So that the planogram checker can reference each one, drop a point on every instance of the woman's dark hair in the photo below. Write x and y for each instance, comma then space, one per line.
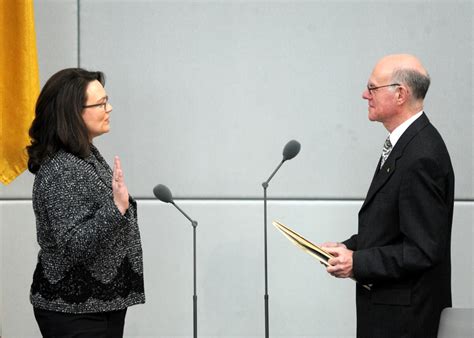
58, 122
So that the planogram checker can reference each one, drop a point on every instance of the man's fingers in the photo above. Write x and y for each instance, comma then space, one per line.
333, 270
329, 244
332, 250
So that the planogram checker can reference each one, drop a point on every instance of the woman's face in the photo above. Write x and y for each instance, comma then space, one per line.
96, 113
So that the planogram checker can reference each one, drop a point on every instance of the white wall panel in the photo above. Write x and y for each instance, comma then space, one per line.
206, 93
230, 278
18, 250
462, 255
56, 35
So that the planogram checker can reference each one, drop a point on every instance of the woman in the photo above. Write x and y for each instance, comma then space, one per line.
90, 260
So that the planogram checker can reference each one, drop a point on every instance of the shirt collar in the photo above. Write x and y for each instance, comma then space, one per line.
398, 132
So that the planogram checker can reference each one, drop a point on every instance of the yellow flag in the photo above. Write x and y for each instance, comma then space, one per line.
19, 84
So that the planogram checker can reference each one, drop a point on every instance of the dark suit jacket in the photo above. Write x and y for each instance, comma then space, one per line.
402, 246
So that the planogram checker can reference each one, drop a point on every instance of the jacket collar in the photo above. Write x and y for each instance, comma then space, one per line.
100, 165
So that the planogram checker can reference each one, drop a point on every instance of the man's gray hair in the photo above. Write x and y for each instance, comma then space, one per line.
418, 82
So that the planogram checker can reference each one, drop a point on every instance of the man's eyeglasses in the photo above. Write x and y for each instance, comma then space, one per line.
103, 104
372, 89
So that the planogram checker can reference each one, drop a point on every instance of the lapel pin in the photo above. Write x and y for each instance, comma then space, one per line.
388, 170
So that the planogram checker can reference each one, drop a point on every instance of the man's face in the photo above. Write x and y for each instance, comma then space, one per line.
381, 99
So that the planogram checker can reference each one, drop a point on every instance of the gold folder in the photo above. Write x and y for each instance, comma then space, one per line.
310, 248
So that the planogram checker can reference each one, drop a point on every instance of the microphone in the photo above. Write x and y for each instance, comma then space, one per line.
291, 149
163, 193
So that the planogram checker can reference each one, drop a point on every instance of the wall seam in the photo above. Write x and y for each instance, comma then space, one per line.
78, 33
210, 199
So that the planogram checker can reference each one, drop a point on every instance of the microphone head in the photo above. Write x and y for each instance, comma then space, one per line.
291, 149
163, 193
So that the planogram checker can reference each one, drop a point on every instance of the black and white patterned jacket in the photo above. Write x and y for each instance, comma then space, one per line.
90, 257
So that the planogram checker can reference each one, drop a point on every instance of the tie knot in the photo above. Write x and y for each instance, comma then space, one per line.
387, 145
387, 148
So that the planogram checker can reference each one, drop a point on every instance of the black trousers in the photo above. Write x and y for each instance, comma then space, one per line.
84, 325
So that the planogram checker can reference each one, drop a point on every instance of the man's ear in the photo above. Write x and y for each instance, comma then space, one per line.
402, 94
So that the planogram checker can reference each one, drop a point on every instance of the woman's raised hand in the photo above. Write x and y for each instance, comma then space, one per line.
119, 188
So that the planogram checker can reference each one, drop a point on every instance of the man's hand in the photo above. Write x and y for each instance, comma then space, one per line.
332, 245
341, 265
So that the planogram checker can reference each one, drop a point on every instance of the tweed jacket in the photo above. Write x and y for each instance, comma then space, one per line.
90, 257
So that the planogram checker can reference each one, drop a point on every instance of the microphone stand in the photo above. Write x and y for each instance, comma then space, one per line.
265, 186
194, 224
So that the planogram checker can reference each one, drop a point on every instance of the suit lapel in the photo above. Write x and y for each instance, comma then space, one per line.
381, 176
377, 168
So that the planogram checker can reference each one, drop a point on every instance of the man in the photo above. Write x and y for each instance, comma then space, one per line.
402, 248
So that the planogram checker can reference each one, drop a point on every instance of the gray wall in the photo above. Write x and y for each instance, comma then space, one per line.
205, 96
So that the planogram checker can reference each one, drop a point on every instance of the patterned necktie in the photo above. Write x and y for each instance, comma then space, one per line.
387, 148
